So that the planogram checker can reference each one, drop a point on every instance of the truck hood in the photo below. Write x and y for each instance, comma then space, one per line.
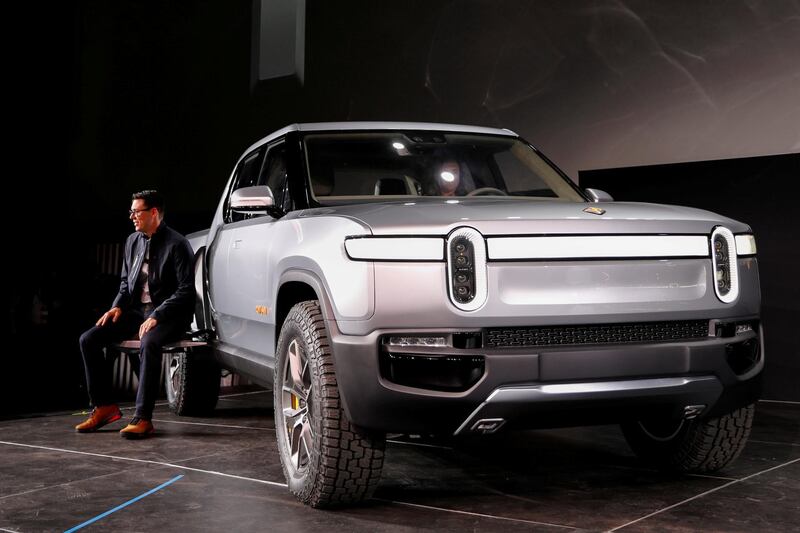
521, 216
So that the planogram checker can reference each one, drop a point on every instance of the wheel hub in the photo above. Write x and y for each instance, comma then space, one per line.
295, 408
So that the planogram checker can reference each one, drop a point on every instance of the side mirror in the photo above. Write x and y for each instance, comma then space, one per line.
596, 195
257, 200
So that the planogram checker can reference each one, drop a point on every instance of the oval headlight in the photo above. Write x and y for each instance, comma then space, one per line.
724, 261
466, 269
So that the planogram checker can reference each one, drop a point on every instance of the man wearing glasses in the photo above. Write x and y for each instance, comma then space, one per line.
155, 302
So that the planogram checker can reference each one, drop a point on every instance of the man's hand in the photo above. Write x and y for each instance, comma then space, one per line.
112, 315
146, 326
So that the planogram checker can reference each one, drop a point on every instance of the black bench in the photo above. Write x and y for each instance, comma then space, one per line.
192, 379
135, 345
192, 339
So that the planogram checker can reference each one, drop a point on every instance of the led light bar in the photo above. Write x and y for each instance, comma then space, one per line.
395, 248
410, 340
745, 245
598, 247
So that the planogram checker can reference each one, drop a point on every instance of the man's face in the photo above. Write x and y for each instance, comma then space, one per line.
144, 219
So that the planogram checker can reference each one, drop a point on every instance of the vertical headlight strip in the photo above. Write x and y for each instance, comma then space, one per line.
466, 269
726, 270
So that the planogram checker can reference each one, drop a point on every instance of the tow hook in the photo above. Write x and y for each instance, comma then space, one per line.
692, 411
488, 425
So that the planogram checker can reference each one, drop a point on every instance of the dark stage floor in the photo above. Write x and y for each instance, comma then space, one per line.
223, 474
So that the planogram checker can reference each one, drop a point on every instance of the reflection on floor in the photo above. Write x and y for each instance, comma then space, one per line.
52, 479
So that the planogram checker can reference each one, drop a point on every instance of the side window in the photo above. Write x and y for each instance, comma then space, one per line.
274, 175
246, 176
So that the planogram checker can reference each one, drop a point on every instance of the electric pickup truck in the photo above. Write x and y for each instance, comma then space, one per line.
437, 279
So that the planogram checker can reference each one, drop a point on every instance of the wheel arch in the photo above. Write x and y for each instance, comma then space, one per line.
297, 286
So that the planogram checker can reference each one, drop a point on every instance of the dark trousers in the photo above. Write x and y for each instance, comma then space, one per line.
99, 368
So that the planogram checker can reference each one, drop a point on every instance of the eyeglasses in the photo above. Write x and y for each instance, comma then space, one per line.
135, 212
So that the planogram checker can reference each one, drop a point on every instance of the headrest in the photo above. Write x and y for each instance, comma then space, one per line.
390, 186
322, 183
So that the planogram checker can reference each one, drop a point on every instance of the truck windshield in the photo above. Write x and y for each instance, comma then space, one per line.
357, 165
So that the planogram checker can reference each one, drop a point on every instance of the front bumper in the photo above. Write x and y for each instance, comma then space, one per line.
548, 386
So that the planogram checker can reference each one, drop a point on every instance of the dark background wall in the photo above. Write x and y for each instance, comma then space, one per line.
163, 91
112, 97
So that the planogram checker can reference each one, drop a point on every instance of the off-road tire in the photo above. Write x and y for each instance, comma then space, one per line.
192, 383
336, 463
692, 446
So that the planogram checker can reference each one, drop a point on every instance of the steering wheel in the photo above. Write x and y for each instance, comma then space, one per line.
486, 191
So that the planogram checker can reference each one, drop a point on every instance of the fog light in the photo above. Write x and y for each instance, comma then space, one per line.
417, 341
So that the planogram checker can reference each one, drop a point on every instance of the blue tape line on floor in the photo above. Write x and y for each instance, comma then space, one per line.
117, 508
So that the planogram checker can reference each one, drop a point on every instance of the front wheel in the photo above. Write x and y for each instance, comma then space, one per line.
694, 446
326, 460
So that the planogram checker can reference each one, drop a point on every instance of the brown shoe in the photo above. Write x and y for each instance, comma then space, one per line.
137, 429
102, 415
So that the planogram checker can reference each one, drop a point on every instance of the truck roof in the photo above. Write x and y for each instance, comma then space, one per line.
380, 125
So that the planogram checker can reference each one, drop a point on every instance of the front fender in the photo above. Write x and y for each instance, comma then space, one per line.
316, 245
314, 281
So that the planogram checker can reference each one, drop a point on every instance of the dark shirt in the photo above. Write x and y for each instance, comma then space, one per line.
170, 275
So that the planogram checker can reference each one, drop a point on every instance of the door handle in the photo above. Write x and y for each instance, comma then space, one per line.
237, 244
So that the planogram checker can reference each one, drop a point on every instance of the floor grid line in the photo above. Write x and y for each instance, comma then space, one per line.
702, 494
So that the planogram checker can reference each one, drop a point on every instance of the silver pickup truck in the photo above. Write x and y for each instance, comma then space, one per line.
450, 280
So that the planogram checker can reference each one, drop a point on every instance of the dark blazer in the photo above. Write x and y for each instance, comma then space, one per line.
170, 275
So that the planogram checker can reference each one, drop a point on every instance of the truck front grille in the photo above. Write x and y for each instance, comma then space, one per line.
678, 330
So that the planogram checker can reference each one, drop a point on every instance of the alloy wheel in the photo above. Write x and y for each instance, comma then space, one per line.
296, 406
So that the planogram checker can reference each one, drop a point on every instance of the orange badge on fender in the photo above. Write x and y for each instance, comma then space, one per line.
594, 210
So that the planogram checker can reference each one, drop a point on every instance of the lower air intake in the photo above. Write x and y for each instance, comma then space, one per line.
441, 373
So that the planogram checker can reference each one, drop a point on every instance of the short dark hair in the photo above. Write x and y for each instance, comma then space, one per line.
152, 199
